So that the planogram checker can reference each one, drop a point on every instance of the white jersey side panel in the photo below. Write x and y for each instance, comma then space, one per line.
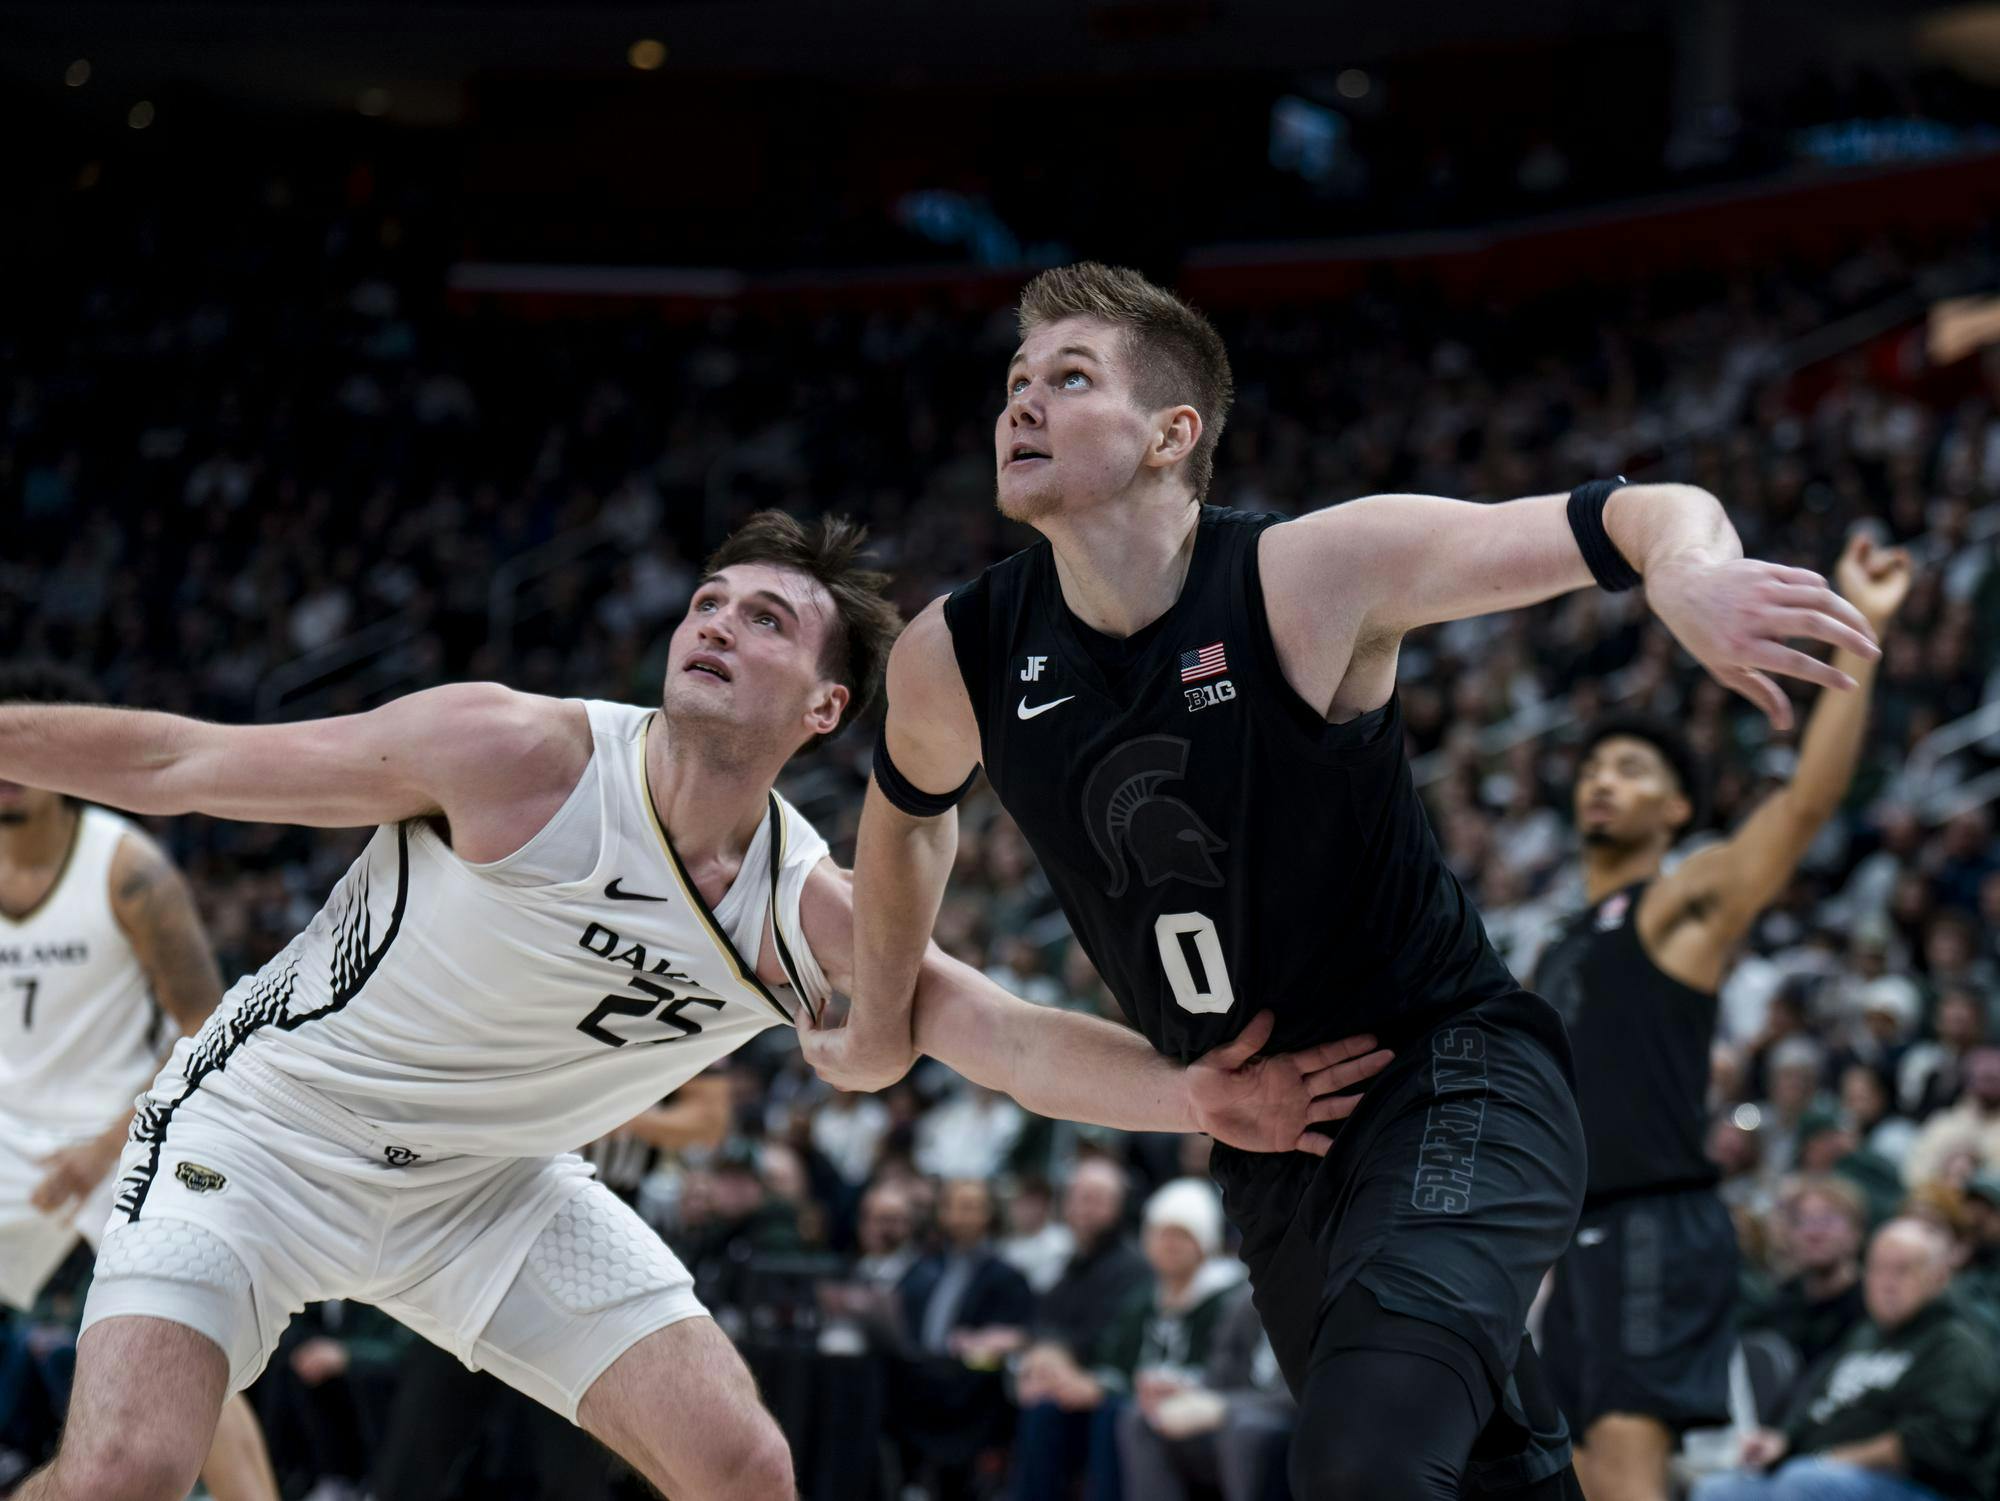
79, 1034
454, 1012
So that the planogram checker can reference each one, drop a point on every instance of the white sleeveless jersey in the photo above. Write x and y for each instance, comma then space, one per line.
457, 1011
80, 1036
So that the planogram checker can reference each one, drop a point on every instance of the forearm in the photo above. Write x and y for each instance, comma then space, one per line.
1884, 1452
120, 757
1653, 525
1061, 1064
901, 865
1830, 748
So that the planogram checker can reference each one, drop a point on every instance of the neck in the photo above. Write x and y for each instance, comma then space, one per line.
1613, 867
1122, 564
1174, 1292
40, 843
709, 804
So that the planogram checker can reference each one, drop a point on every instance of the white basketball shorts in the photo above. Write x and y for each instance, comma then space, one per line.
258, 1196
33, 1244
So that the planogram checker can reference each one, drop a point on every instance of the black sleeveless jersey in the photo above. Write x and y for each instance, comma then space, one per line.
1641, 1041
1218, 847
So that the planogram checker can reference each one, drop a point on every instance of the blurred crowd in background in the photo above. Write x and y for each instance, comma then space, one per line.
213, 477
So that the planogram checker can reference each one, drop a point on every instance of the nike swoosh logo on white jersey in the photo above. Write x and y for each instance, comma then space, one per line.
1027, 713
617, 895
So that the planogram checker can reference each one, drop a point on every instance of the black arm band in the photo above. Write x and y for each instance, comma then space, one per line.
906, 794
1586, 520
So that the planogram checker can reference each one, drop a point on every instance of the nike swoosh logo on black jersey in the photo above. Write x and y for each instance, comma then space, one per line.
616, 895
1025, 712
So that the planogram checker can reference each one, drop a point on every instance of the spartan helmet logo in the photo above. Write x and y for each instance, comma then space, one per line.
1122, 809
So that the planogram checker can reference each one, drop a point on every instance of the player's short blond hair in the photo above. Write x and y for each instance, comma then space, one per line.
1178, 358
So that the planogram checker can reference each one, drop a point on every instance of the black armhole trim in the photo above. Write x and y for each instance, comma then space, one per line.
968, 615
785, 960
263, 1007
1362, 736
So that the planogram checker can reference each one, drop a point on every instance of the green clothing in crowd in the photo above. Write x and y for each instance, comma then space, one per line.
1934, 1382
1145, 1336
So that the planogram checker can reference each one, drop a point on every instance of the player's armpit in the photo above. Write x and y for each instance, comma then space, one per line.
155, 910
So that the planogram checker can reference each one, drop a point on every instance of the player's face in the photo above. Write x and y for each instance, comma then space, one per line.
1626, 793
20, 806
748, 655
1072, 433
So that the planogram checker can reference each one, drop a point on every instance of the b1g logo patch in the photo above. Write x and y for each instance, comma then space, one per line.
1208, 695
198, 1179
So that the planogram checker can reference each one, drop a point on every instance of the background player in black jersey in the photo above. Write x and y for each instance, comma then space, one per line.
1190, 712
1639, 1327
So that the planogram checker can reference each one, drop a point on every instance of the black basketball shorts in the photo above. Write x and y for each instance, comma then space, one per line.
1641, 1319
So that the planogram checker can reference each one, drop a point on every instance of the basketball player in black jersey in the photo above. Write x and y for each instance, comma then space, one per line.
1640, 1324
1190, 712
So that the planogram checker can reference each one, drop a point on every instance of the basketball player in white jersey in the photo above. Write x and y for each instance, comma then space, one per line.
102, 958
567, 908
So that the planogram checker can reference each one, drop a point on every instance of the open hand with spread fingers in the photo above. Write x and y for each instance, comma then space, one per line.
1736, 618
1270, 1104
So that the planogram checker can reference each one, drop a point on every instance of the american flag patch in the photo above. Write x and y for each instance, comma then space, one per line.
1209, 662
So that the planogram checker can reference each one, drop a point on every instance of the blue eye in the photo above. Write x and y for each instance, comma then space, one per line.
1074, 375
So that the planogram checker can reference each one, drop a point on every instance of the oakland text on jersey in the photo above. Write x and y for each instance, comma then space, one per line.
13, 955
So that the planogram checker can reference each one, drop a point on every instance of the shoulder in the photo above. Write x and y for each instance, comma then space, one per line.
927, 691
142, 876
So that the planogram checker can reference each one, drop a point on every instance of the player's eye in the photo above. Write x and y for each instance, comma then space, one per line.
1017, 385
1075, 380
768, 619
704, 604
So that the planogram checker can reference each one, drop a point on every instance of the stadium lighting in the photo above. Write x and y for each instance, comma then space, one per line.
141, 115
77, 74
1352, 84
646, 54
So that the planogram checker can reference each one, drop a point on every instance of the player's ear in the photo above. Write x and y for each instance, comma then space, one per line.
823, 713
1680, 813
1176, 431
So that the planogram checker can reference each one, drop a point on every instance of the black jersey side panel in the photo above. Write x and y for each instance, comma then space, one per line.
1641, 1041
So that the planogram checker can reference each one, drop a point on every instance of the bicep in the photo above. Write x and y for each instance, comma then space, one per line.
930, 727
1415, 560
155, 909
1751, 869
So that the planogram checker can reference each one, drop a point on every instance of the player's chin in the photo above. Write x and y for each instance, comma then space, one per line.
1027, 496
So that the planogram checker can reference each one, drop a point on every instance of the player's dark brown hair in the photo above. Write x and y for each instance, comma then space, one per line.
829, 549
1178, 358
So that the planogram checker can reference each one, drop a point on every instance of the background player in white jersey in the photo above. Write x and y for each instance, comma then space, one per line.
567, 909
102, 960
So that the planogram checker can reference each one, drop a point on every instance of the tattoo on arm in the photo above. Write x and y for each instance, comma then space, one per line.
156, 910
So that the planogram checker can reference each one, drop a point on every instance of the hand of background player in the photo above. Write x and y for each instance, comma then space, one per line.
1736, 617
68, 1176
1269, 1104
1762, 1448
1876, 580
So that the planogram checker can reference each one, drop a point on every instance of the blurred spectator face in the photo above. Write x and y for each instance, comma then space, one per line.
1820, 1232
736, 1192
1172, 1253
965, 1212
1627, 794
1732, 1149
1960, 1020
1864, 1098
785, 1174
747, 659
1725, 1072
1982, 1218
1989, 902
885, 1223
1821, 1152
1982, 1077
1028, 1210
1079, 411
1793, 1083
1094, 1201
1948, 944
1909, 1263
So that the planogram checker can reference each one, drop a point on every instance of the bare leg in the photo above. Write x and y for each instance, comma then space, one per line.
681, 1408
1628, 1457
238, 1467
141, 1414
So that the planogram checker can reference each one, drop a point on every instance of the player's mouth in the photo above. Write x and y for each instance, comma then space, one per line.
703, 662
1025, 453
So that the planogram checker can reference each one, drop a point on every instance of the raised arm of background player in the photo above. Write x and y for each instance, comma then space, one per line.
496, 765
1341, 588
1691, 919
156, 912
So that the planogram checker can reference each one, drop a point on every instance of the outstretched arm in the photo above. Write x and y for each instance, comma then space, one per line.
1403, 561
1070, 1066
1728, 884
496, 764
902, 861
